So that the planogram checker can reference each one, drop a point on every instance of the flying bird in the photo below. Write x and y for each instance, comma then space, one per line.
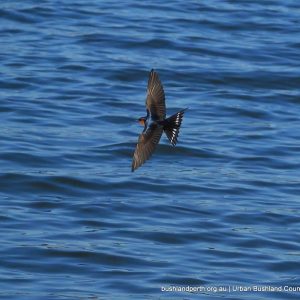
155, 122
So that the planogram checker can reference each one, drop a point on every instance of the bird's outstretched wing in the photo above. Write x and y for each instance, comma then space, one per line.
155, 101
146, 145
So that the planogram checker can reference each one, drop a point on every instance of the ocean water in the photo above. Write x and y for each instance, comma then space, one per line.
221, 209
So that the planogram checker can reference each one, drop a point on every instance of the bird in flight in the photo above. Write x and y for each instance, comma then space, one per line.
155, 122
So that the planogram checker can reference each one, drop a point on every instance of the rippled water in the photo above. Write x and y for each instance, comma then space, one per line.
220, 209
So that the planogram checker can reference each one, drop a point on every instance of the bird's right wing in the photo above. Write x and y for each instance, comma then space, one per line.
146, 145
155, 101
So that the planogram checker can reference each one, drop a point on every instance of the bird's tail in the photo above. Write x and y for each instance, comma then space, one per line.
172, 126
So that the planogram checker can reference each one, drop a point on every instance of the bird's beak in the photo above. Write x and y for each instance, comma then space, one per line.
141, 122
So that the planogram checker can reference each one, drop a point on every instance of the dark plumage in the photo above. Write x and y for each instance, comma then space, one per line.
155, 122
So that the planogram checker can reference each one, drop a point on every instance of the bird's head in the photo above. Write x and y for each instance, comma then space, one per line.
142, 121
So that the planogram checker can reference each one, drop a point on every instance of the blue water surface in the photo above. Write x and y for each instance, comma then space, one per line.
219, 209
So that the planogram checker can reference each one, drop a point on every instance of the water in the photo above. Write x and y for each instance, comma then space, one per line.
220, 209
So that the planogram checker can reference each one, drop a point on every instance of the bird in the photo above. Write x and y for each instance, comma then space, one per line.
155, 122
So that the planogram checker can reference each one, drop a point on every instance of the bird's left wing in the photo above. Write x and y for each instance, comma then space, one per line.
146, 145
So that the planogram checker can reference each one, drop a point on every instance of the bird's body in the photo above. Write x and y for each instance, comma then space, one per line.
155, 122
